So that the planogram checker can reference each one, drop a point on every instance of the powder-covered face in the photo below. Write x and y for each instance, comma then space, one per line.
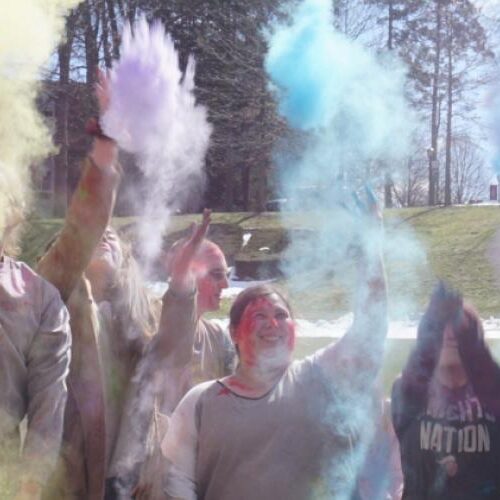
266, 332
105, 263
449, 350
109, 250
211, 271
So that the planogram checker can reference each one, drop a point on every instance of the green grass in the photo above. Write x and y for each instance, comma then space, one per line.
453, 241
396, 354
456, 241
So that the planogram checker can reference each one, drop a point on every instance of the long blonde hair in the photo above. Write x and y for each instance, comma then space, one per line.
131, 302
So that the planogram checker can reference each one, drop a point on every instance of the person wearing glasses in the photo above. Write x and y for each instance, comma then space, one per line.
279, 428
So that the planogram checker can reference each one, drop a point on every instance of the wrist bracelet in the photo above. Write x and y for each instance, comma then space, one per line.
93, 128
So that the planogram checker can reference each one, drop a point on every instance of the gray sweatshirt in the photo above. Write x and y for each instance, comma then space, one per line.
304, 439
34, 359
292, 443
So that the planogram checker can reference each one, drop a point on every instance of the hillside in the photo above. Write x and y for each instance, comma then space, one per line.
451, 243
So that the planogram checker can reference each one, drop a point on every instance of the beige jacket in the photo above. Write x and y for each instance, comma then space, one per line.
186, 351
81, 469
34, 362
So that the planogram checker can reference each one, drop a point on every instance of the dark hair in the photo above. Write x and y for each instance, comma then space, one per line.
250, 294
482, 371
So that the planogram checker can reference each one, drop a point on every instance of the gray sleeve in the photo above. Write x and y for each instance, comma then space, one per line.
48, 363
356, 358
179, 447
157, 380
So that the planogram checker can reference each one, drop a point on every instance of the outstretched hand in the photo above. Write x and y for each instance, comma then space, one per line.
103, 91
182, 272
370, 208
104, 151
369, 222
445, 304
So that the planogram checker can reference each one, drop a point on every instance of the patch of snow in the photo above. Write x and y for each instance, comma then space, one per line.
400, 329
158, 288
246, 239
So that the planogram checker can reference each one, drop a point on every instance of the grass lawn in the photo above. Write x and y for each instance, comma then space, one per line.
452, 244
396, 354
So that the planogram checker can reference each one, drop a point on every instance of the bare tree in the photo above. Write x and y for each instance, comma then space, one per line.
466, 52
357, 20
410, 190
469, 176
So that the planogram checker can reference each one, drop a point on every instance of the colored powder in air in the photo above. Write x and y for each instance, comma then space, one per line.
351, 127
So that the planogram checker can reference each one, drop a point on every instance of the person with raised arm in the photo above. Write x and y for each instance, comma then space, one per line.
446, 406
277, 428
188, 349
111, 314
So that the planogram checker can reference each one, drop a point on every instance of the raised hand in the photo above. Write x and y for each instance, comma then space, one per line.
181, 267
104, 151
102, 91
370, 208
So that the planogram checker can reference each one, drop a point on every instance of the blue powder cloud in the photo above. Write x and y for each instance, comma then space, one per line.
348, 106
322, 78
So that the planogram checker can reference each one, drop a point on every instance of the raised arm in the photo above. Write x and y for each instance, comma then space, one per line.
179, 316
159, 374
89, 212
358, 355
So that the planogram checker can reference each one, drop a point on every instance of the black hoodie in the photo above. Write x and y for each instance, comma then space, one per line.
449, 438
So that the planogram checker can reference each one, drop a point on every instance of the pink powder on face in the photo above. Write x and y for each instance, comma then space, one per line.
209, 288
246, 328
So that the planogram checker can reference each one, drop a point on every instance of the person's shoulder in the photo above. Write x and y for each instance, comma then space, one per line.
397, 395
214, 327
304, 369
216, 330
14, 266
31, 279
396, 387
199, 389
194, 394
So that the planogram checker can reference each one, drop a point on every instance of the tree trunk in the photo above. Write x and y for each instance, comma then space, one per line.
61, 130
245, 185
131, 10
115, 36
388, 180
91, 51
229, 180
336, 14
105, 36
449, 115
435, 109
